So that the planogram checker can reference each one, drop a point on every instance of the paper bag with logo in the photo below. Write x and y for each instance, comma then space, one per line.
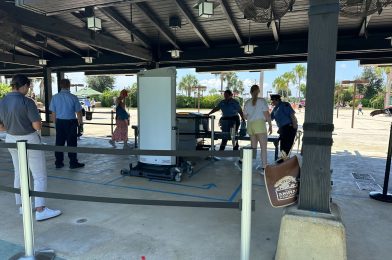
281, 181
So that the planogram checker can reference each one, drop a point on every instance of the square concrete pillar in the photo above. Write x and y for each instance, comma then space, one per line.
311, 235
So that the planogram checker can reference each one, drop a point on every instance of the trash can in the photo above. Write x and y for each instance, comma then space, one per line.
89, 115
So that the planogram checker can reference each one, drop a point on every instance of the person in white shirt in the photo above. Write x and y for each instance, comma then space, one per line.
257, 114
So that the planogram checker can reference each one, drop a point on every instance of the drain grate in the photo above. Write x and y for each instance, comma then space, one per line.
362, 176
368, 185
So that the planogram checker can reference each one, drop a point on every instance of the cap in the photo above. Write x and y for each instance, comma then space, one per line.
275, 96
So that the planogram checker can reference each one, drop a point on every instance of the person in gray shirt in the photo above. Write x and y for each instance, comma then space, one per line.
19, 117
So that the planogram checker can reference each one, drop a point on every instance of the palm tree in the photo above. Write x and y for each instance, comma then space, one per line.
299, 73
280, 85
223, 77
187, 82
388, 73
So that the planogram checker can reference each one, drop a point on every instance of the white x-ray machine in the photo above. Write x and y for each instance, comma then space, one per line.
157, 125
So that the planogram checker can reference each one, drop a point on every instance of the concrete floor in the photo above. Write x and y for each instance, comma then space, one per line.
112, 231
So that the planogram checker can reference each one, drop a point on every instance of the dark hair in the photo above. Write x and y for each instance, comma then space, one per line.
228, 91
19, 81
65, 83
252, 89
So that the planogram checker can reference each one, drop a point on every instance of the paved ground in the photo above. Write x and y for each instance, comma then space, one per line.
108, 231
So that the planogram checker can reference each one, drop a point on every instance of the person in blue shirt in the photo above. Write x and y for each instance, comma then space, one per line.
230, 109
67, 114
87, 103
284, 116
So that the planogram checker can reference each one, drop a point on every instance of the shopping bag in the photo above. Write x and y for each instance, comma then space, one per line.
282, 182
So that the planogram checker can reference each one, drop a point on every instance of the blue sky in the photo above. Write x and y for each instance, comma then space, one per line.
345, 70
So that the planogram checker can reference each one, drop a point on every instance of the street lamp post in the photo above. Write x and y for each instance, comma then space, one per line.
197, 90
355, 82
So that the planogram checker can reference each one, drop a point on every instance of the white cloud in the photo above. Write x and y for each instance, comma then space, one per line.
211, 83
343, 66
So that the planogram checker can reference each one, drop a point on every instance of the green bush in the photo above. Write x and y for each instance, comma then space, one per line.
185, 102
366, 102
107, 98
133, 96
210, 101
4, 89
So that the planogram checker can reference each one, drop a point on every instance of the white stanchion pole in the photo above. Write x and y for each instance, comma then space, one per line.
246, 209
26, 200
212, 133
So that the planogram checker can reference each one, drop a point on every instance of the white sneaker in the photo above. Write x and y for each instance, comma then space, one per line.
112, 143
238, 164
260, 169
47, 213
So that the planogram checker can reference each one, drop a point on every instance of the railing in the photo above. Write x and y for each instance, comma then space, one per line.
246, 205
112, 117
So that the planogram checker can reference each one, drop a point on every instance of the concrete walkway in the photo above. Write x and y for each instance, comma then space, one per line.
111, 231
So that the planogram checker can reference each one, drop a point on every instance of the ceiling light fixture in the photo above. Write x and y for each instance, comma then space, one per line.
205, 8
174, 24
42, 62
175, 54
88, 59
249, 48
93, 23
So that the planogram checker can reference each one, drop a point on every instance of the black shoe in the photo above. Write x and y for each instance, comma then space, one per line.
59, 165
76, 165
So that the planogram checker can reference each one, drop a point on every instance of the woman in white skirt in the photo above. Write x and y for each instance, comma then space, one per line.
257, 114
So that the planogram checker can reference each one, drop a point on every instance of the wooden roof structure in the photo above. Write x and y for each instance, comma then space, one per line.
136, 35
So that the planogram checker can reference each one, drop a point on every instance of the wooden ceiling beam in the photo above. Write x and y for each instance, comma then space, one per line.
235, 67
111, 3
52, 26
196, 27
45, 47
127, 26
29, 49
229, 17
18, 60
72, 48
150, 15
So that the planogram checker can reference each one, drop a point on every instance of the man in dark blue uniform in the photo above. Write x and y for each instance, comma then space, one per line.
67, 113
230, 119
284, 115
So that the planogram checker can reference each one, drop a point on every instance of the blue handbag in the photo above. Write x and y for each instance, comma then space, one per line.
242, 129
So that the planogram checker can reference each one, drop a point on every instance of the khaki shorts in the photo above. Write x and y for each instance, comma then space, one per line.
256, 127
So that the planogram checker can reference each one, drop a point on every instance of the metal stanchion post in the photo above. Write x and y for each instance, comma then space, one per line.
111, 121
246, 208
213, 138
213, 133
384, 195
26, 201
28, 231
